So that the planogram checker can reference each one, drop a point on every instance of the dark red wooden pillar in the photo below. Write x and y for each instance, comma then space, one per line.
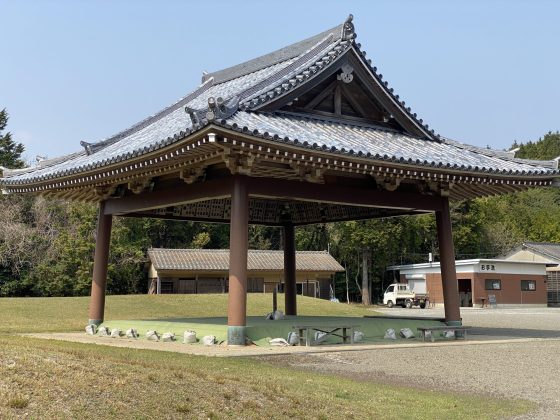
448, 270
100, 262
238, 245
290, 289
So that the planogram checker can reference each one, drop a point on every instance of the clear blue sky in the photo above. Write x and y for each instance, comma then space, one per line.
482, 72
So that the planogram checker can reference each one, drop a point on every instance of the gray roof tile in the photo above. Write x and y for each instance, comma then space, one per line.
547, 249
375, 142
270, 59
257, 260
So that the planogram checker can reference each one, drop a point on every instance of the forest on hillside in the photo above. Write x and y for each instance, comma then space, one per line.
47, 246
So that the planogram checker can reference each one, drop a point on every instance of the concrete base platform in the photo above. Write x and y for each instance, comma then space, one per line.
260, 331
238, 351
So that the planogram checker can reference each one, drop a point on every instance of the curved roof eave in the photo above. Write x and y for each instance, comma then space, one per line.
326, 48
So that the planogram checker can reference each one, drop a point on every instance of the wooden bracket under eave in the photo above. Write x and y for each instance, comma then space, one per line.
239, 163
103, 192
140, 185
309, 173
388, 183
441, 188
191, 175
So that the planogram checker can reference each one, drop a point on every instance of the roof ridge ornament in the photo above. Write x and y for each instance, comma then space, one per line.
348, 33
89, 147
218, 109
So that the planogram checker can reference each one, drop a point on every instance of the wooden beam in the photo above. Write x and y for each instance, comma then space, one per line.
171, 196
319, 98
337, 100
354, 196
355, 103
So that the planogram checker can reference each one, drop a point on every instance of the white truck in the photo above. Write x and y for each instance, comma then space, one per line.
400, 294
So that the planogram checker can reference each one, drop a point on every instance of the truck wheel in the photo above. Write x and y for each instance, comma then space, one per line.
408, 304
390, 304
422, 305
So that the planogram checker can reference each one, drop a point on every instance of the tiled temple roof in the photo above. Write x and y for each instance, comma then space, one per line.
374, 142
247, 87
257, 260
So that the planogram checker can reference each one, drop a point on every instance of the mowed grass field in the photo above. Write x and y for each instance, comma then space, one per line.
71, 313
53, 379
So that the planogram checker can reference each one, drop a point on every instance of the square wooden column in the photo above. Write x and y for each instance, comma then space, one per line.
447, 265
238, 245
290, 289
100, 262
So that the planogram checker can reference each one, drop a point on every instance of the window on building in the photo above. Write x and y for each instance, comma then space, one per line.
282, 288
255, 285
187, 285
528, 285
493, 284
210, 285
166, 287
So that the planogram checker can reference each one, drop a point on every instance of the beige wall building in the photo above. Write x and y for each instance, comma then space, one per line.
542, 252
206, 271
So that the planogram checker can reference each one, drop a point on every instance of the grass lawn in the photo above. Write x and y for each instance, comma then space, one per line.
52, 379
71, 313
48, 379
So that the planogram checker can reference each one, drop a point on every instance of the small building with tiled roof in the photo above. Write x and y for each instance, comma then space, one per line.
536, 251
206, 271
548, 253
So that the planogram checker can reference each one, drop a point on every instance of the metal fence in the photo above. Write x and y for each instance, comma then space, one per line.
553, 287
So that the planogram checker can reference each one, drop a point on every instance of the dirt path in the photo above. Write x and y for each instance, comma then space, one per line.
525, 369
513, 370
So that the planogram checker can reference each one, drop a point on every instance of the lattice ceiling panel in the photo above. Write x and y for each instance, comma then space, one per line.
272, 212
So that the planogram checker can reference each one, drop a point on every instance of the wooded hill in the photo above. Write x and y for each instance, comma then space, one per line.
46, 246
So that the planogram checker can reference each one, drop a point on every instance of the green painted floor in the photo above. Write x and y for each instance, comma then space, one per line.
260, 330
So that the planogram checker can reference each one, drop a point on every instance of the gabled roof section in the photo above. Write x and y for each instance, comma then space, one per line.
546, 249
346, 55
257, 260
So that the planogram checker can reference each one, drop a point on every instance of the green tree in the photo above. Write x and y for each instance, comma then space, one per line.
10, 151
546, 148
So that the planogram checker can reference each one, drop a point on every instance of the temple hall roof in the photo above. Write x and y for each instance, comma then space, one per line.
254, 98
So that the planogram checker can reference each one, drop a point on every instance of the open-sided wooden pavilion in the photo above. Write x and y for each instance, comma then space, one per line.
310, 133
